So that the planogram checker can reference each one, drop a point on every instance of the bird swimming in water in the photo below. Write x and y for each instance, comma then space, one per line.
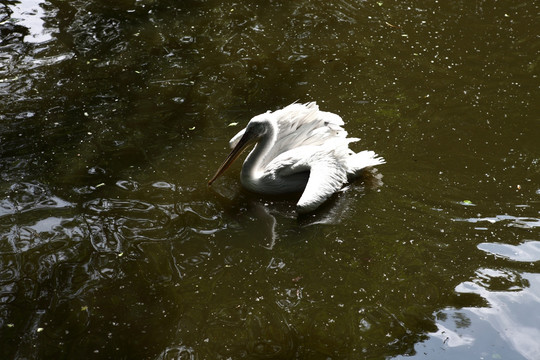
297, 148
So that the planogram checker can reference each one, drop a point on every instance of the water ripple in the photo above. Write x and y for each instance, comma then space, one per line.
30, 196
111, 222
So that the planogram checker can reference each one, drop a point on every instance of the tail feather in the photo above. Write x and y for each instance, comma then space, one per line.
357, 162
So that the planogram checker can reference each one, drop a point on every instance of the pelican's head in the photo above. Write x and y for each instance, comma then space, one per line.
256, 128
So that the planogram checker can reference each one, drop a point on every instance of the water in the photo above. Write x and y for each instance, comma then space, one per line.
114, 116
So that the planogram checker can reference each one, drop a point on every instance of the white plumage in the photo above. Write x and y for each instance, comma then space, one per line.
298, 148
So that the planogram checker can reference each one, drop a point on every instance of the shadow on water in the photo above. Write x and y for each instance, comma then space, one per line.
114, 115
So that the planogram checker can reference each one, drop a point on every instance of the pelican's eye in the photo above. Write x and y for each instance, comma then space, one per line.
257, 128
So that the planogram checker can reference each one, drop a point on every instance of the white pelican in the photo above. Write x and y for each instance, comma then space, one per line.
297, 148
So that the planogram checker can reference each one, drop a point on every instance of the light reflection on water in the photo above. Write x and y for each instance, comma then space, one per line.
30, 14
517, 221
529, 251
512, 313
509, 320
113, 116
511, 298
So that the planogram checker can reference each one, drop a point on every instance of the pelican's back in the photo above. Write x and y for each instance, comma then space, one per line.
304, 125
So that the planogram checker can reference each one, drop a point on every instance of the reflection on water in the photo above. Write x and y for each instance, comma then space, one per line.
31, 15
509, 320
528, 251
513, 315
113, 116
516, 221
510, 294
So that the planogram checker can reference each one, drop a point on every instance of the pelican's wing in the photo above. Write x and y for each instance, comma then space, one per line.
327, 172
326, 176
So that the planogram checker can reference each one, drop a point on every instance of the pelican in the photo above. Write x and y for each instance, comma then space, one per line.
297, 148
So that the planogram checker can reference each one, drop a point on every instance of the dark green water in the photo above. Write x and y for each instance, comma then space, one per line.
113, 116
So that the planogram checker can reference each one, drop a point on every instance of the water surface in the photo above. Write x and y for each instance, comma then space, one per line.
113, 116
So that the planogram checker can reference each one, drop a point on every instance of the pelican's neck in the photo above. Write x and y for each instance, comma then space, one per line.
259, 157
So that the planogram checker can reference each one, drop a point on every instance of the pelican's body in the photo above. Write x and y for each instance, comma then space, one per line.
298, 148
